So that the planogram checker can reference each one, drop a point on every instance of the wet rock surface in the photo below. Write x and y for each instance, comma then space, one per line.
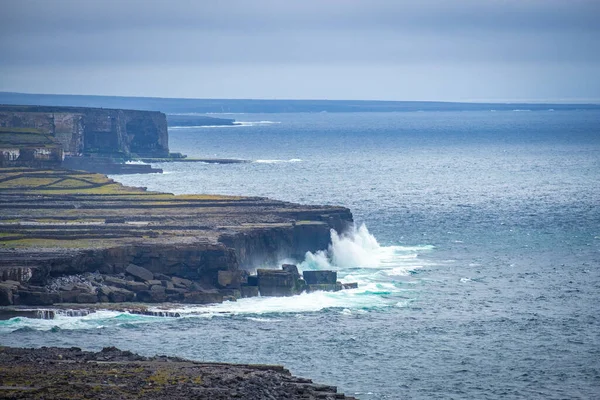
60, 373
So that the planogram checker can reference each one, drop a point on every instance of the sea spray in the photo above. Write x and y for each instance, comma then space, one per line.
358, 248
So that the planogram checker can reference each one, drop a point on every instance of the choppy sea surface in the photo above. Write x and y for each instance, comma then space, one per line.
476, 248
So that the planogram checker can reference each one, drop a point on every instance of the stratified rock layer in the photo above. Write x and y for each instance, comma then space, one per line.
57, 223
59, 373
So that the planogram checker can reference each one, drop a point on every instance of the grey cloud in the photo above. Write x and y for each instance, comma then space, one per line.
273, 15
493, 39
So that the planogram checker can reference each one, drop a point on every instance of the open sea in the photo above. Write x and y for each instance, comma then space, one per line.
476, 250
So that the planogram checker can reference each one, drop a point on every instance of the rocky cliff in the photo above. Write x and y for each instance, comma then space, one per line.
51, 133
56, 224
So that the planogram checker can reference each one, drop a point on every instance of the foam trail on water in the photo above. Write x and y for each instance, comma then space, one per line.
293, 160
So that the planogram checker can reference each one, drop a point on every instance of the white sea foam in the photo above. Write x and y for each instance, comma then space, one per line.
96, 320
292, 160
358, 248
381, 273
235, 124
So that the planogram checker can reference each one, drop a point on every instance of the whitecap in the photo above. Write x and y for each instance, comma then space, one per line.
275, 161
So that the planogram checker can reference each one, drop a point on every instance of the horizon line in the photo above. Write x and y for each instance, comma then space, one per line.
584, 101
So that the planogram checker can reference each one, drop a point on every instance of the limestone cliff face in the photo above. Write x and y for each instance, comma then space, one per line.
269, 246
77, 131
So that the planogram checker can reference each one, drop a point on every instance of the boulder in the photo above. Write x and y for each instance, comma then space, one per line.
205, 297
69, 296
136, 286
249, 291
116, 282
231, 293
119, 295
227, 279
167, 284
181, 282
144, 296
324, 287
87, 298
292, 269
105, 290
352, 285
161, 277
153, 282
139, 273
6, 295
252, 280
276, 282
158, 293
30, 298
320, 277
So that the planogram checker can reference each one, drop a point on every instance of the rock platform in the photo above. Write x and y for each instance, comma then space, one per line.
70, 373
78, 237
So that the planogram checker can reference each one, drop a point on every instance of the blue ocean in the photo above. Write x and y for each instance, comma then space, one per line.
476, 249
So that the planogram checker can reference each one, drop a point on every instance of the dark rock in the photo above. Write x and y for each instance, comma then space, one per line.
158, 293
116, 282
234, 293
62, 373
69, 296
114, 220
175, 291
103, 298
136, 286
228, 279
140, 273
121, 295
275, 282
144, 296
154, 282
161, 277
252, 280
67, 287
325, 287
105, 290
292, 269
352, 285
175, 297
29, 298
249, 291
320, 277
167, 284
6, 295
202, 297
87, 298
181, 282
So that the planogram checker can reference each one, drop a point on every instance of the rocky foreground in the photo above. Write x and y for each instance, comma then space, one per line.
60, 373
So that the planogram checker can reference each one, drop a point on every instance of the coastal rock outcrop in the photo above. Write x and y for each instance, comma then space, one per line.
60, 373
130, 244
80, 138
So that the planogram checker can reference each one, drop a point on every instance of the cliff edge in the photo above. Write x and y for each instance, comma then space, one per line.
58, 227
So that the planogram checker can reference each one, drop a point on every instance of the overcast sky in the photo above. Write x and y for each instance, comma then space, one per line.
455, 50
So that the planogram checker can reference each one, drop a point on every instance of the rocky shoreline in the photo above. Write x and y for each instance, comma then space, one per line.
77, 237
61, 373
